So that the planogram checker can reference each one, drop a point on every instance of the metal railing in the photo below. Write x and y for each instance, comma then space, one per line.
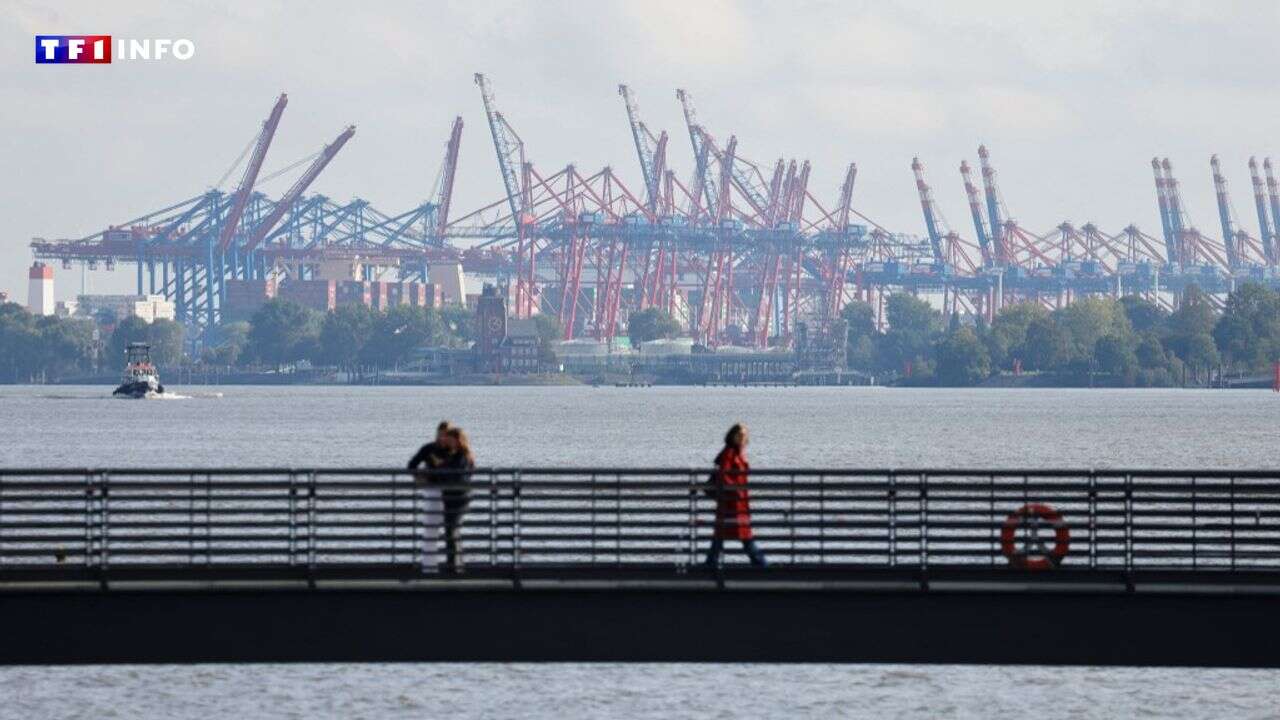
106, 519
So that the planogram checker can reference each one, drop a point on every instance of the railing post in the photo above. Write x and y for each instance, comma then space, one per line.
1128, 522
791, 514
893, 520
88, 519
822, 519
293, 519
104, 528
515, 520
312, 491
924, 523
1194, 527
493, 518
1231, 554
693, 517
1093, 519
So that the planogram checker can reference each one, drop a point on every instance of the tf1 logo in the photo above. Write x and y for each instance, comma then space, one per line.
100, 49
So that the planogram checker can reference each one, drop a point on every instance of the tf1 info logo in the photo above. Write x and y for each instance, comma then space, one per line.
100, 49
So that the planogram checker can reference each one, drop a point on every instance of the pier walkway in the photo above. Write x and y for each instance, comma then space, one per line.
992, 566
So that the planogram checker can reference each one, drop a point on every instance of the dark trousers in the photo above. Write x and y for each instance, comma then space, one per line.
454, 508
753, 551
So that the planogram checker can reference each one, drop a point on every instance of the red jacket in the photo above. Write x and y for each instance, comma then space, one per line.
733, 507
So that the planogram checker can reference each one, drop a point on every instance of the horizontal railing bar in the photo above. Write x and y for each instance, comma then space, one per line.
932, 473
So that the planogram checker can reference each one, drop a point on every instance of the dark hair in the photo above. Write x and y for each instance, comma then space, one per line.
444, 427
733, 432
464, 443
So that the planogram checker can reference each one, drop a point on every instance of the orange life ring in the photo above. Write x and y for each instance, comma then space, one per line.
1042, 558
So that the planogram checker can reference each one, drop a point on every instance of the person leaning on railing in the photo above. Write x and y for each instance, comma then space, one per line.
455, 480
429, 457
733, 505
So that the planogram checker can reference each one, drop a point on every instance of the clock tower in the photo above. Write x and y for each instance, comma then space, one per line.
491, 329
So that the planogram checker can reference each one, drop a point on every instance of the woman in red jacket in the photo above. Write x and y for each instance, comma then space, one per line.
733, 506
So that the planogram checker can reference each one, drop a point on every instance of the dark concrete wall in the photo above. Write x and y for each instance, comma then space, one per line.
737, 626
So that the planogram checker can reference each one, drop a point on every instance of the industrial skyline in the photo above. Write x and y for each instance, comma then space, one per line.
1058, 160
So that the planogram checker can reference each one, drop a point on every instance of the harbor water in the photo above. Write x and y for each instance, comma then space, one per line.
672, 427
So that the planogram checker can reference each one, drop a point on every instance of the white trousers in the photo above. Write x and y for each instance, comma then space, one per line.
432, 526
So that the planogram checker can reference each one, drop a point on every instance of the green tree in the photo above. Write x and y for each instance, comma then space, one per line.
1150, 352
230, 345
64, 345
401, 330
1007, 338
651, 324
860, 318
549, 331
1115, 355
166, 338
343, 335
279, 332
914, 325
1248, 333
1194, 317
129, 330
1087, 320
1144, 316
962, 358
1048, 346
1201, 353
459, 324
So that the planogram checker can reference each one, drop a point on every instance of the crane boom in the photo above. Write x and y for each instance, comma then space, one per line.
975, 210
509, 147
1273, 196
299, 186
846, 198
1177, 213
251, 171
993, 205
1260, 204
646, 148
448, 172
931, 220
1229, 239
1166, 218
704, 183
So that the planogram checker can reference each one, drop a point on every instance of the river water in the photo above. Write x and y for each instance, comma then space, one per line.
791, 427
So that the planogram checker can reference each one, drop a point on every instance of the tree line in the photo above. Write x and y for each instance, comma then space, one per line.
351, 336
1129, 341
41, 348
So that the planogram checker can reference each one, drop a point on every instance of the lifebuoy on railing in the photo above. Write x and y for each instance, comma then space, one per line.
1024, 545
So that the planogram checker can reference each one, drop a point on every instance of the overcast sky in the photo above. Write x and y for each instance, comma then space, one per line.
1072, 98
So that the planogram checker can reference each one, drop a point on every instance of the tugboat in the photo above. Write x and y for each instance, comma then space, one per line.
140, 377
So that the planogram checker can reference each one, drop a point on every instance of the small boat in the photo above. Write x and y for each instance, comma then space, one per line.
140, 376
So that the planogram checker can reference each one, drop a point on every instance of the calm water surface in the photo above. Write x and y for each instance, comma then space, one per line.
791, 427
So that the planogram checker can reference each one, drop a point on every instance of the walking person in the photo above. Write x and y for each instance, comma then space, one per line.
733, 505
430, 457
455, 477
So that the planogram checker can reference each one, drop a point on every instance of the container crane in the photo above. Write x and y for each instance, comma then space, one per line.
241, 197
1230, 237
299, 186
651, 150
975, 210
934, 223
1166, 214
1273, 198
1260, 204
515, 170
703, 183
995, 204
448, 171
